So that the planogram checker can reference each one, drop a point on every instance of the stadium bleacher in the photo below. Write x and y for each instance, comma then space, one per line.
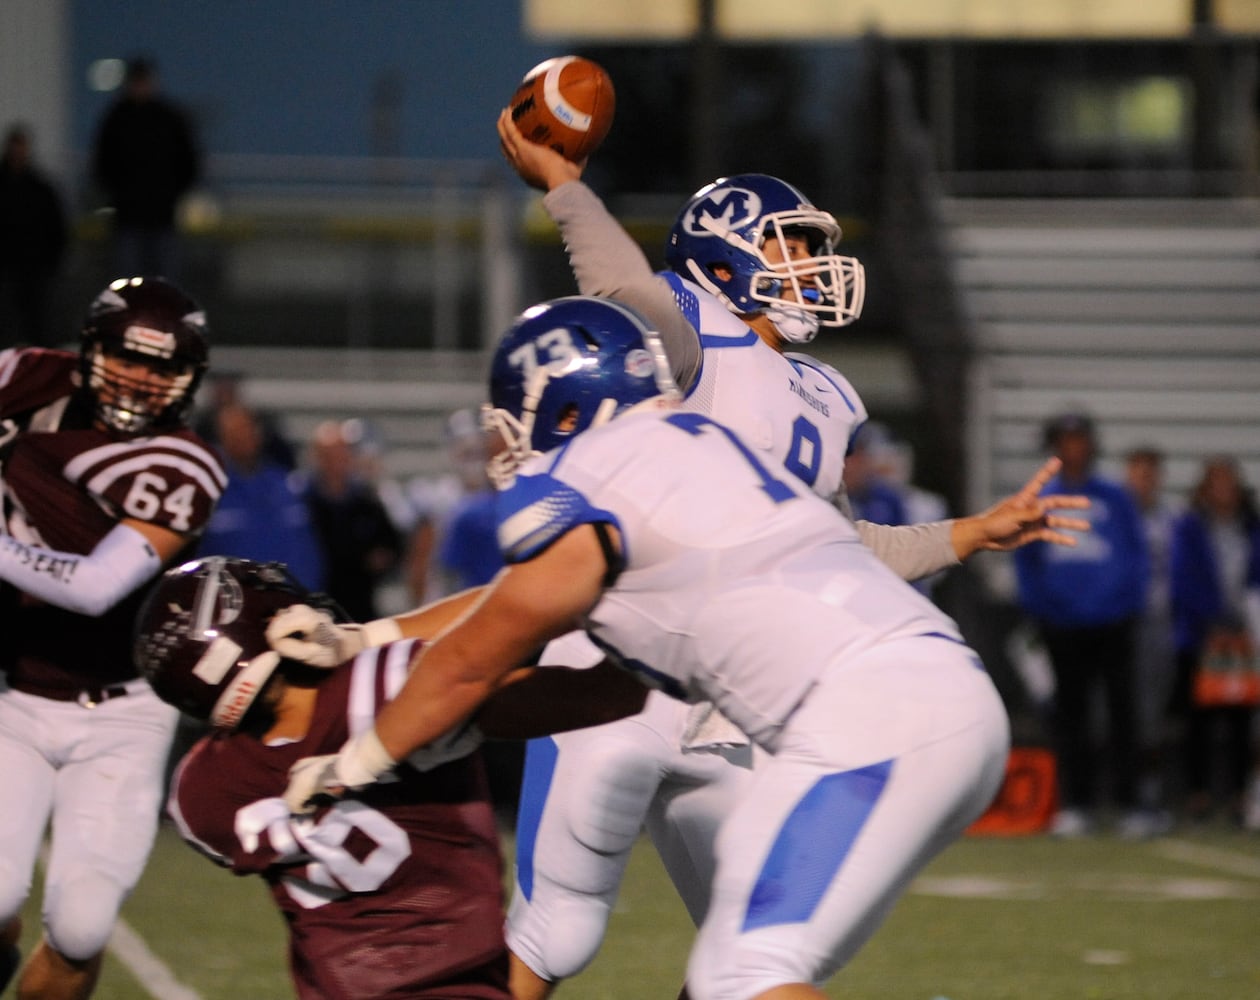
1146, 314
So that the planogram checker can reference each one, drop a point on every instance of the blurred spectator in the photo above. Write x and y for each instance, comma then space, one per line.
468, 551
871, 496
1215, 573
1154, 659
225, 388
1085, 600
892, 460
33, 237
262, 514
434, 501
897, 468
455, 546
146, 160
360, 543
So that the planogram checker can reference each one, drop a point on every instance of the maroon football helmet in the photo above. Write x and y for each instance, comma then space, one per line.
150, 322
201, 634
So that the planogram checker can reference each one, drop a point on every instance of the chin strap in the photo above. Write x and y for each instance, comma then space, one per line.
795, 325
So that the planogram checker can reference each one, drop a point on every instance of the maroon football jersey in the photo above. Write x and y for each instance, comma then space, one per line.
67, 483
394, 893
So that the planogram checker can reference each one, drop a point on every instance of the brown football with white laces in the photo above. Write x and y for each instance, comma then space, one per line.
567, 103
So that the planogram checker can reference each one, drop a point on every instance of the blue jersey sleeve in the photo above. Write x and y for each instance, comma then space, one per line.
684, 298
537, 510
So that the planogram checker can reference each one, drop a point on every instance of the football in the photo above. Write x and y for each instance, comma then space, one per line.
566, 103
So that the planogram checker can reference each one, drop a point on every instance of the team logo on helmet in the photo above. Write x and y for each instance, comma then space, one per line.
217, 601
639, 364
155, 343
732, 207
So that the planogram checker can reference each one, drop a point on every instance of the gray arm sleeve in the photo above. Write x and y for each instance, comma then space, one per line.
607, 262
912, 551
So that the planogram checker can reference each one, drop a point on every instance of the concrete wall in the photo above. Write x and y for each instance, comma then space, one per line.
34, 83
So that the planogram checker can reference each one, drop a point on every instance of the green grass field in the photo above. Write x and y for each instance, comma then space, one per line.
992, 919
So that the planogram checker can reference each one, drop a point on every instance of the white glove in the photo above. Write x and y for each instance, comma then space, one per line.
313, 780
309, 635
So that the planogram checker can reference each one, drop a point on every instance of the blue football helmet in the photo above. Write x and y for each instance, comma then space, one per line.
719, 241
565, 366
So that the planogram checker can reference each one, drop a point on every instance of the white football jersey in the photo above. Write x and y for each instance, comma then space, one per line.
740, 587
792, 406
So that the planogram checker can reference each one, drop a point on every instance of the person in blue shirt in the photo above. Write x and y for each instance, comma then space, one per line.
262, 514
469, 550
872, 496
1085, 602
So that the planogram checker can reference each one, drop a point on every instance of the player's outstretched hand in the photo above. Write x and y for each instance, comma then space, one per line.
1025, 516
537, 165
311, 636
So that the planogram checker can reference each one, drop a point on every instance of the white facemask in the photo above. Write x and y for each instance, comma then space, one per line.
796, 326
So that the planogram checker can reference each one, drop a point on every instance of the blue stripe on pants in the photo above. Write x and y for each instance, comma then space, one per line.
812, 844
540, 766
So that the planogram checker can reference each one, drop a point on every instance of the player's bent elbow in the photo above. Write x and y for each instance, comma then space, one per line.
91, 605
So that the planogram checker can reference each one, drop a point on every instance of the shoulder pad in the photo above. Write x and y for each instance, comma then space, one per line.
536, 511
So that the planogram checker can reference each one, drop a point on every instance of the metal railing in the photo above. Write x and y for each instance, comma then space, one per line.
363, 253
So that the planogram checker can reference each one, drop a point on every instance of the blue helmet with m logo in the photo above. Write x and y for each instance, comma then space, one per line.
720, 237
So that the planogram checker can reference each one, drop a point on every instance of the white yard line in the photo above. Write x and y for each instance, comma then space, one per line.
1217, 858
150, 971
